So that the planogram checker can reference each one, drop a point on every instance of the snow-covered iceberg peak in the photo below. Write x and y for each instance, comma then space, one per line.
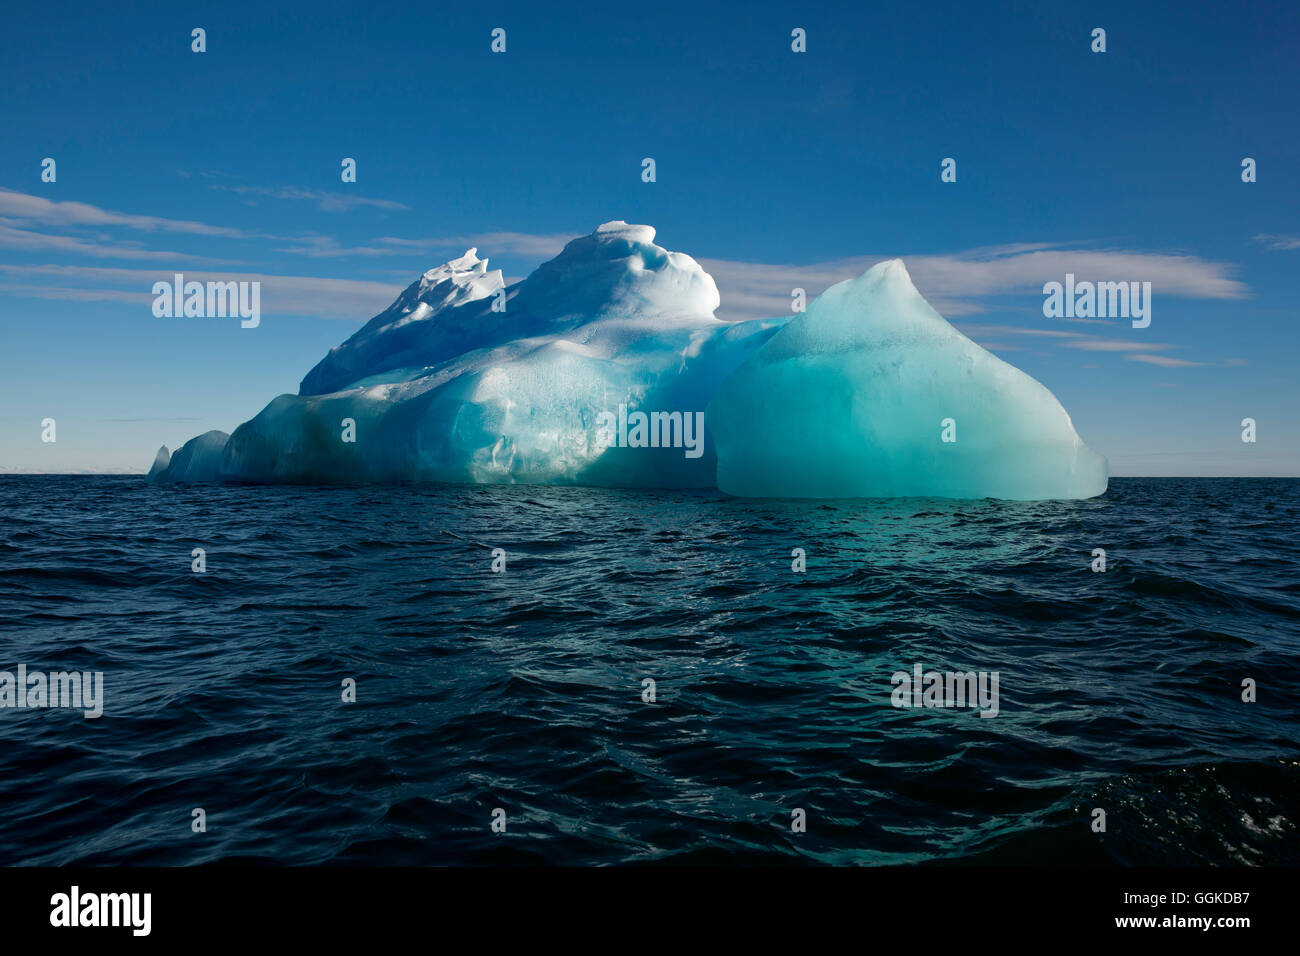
618, 229
618, 271
459, 282
451, 284
615, 273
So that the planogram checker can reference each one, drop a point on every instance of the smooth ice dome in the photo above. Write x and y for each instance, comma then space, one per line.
855, 398
466, 379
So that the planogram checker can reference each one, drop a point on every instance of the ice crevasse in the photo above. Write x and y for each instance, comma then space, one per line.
870, 392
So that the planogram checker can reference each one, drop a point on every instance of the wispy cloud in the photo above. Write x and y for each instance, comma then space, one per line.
72, 294
29, 222
530, 245
1085, 341
958, 284
27, 240
1165, 361
316, 246
1114, 345
326, 201
522, 244
1068, 338
1278, 243
16, 205
281, 294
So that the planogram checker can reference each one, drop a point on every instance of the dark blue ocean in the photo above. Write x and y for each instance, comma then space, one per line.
522, 690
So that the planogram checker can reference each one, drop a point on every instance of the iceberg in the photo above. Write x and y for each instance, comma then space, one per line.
597, 367
871, 393
465, 379
198, 460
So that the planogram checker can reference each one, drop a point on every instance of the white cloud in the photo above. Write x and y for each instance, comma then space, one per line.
524, 244
1278, 243
1165, 361
14, 237
1085, 341
38, 209
489, 244
285, 295
1115, 345
316, 246
329, 202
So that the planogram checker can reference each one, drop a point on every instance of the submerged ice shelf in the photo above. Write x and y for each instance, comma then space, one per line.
596, 368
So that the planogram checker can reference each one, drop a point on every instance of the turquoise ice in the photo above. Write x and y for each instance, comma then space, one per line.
872, 393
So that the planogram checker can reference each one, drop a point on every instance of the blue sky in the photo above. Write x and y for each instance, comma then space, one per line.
774, 169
